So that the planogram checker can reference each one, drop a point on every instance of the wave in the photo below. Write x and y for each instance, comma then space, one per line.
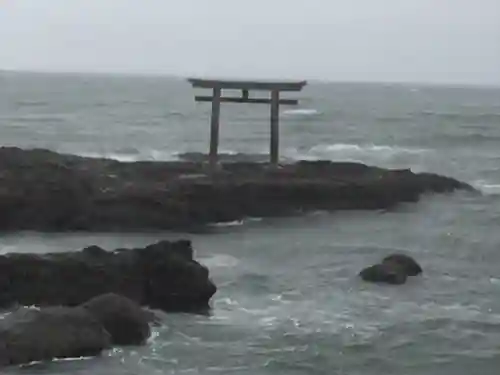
133, 154
483, 116
302, 112
235, 223
467, 138
367, 148
487, 188
130, 155
32, 103
356, 152
38, 118
35, 364
176, 113
220, 260
459, 117
336, 151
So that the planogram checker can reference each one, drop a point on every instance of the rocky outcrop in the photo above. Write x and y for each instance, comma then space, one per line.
394, 269
125, 321
405, 262
45, 191
28, 335
32, 334
162, 276
383, 273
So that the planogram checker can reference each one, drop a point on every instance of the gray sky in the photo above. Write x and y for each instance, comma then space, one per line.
455, 41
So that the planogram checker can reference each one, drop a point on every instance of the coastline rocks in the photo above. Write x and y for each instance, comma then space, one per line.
46, 191
38, 334
28, 335
162, 276
123, 319
394, 269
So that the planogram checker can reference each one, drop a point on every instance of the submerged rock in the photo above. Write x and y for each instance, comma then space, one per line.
29, 335
46, 191
384, 273
163, 276
39, 334
405, 262
394, 269
123, 319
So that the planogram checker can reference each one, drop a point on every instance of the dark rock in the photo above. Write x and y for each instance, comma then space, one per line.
95, 251
162, 276
29, 335
125, 320
407, 263
394, 269
384, 273
45, 191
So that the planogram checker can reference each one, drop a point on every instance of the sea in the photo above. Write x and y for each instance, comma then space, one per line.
289, 298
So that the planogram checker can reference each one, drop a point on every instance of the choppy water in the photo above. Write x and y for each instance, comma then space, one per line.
289, 301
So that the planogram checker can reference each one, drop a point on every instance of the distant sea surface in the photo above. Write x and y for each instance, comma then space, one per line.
289, 300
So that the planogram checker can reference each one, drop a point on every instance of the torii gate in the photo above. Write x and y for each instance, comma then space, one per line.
245, 86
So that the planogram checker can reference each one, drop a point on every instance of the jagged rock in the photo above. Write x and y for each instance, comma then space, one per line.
123, 319
28, 335
47, 191
163, 276
410, 265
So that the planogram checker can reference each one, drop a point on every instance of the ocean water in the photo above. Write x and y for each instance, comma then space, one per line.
289, 299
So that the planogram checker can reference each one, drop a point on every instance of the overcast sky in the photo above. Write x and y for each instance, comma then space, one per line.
455, 41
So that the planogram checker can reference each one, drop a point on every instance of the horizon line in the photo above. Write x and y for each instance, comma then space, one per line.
310, 80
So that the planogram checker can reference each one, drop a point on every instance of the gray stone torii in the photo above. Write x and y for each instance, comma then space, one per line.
275, 87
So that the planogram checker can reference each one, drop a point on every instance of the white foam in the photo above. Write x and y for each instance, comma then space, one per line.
129, 157
220, 260
132, 154
6, 249
356, 152
56, 360
487, 187
301, 112
366, 148
254, 219
235, 223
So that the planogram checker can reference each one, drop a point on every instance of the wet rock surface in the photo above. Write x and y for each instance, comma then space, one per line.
393, 269
29, 335
46, 191
162, 276
125, 321
39, 334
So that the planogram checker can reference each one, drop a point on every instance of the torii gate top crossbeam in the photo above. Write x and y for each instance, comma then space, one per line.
247, 85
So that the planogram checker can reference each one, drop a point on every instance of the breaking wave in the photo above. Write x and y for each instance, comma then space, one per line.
336, 151
303, 112
130, 155
487, 187
357, 152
